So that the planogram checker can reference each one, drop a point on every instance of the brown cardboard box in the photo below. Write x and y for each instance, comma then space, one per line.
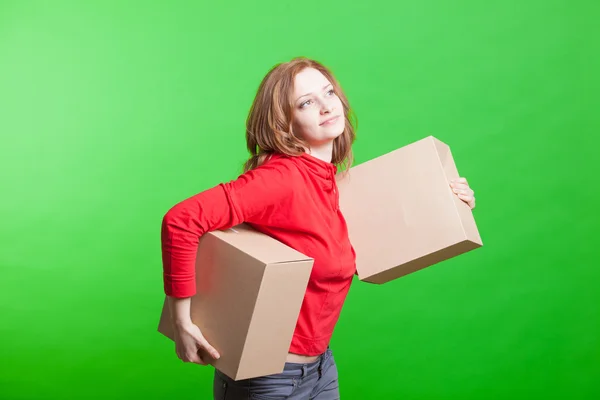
249, 291
401, 212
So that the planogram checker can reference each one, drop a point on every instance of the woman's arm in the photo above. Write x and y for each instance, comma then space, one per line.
179, 310
248, 198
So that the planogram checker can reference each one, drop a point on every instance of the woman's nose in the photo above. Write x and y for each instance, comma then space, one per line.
326, 108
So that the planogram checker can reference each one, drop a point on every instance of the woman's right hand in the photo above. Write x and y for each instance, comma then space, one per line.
191, 346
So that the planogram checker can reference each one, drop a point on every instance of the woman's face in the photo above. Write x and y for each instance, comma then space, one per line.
318, 112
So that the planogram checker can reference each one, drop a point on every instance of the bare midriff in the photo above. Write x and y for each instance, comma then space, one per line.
300, 359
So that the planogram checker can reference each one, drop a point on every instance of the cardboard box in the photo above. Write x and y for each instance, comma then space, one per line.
401, 212
250, 288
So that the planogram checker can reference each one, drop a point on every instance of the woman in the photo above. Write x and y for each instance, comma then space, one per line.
298, 132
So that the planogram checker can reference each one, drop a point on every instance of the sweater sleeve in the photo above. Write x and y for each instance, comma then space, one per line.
245, 199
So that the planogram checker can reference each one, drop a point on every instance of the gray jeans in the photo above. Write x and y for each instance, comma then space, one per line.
313, 381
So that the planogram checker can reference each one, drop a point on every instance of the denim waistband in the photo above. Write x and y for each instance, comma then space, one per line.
291, 370
303, 369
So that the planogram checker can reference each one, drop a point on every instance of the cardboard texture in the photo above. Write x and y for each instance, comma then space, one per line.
401, 213
250, 288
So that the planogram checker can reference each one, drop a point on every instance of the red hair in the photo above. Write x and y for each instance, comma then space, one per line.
269, 123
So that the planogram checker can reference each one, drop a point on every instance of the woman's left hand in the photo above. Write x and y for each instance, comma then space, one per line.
461, 188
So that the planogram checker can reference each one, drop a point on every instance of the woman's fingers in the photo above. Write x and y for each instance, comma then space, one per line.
470, 200
464, 190
203, 344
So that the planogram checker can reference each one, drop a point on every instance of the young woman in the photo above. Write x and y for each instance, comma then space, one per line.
299, 131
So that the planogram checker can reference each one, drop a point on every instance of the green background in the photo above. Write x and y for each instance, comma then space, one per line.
111, 112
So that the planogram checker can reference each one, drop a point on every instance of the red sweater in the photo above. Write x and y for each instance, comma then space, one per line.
294, 200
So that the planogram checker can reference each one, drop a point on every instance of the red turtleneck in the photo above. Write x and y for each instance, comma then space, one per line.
294, 200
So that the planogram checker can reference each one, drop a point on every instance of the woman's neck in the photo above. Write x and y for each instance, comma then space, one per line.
322, 152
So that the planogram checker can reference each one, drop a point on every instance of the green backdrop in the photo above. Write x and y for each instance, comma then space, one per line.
111, 112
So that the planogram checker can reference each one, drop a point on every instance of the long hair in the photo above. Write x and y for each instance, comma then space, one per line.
269, 123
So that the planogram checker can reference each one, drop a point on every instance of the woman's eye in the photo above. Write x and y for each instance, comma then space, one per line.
305, 103
331, 91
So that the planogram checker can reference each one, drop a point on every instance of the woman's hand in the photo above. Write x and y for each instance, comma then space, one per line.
461, 188
191, 346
